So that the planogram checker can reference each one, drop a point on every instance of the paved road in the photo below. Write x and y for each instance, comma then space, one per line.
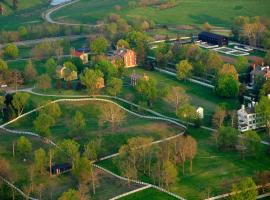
47, 16
50, 39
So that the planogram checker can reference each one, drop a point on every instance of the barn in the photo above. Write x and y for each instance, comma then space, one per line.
213, 38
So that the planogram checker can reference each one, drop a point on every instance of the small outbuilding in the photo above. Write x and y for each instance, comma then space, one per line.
61, 168
213, 38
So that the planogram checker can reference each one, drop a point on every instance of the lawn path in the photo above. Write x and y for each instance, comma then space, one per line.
159, 117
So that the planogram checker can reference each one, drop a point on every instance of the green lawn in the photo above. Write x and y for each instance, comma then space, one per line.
149, 194
214, 172
29, 12
111, 139
191, 12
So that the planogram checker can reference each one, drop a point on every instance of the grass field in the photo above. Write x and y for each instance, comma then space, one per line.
214, 172
188, 12
149, 194
29, 12
111, 142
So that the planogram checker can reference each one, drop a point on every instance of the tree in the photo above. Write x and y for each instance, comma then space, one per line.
252, 143
114, 86
218, 117
72, 149
11, 51
4, 169
50, 66
184, 69
78, 123
122, 44
207, 27
187, 113
24, 146
30, 72
90, 79
228, 69
112, 114
263, 109
169, 173
242, 63
43, 82
147, 88
40, 160
227, 138
176, 96
214, 62
52, 109
43, 123
83, 171
246, 189
227, 86
191, 150
3, 66
99, 45
71, 194
107, 68
19, 101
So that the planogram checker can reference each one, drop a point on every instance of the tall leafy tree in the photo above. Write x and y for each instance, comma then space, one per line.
24, 146
227, 86
184, 69
263, 109
147, 88
43, 124
99, 45
71, 194
19, 101
176, 97
43, 82
90, 79
78, 123
30, 72
40, 160
11, 51
114, 86
246, 189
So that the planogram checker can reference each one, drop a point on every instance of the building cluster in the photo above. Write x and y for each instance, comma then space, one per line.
259, 72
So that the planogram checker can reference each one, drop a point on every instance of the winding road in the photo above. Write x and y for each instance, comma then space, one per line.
47, 16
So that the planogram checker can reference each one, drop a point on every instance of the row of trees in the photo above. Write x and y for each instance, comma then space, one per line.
158, 162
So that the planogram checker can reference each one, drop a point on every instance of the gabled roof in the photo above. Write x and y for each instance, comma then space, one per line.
212, 35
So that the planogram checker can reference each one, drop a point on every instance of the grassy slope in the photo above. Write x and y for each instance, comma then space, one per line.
148, 194
111, 142
214, 175
28, 12
191, 12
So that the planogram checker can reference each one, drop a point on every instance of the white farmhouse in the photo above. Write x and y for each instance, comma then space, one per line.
248, 119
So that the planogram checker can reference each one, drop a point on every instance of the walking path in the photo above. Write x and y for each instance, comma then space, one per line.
108, 101
104, 98
17, 189
50, 39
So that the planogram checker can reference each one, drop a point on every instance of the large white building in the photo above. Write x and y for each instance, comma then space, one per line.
248, 119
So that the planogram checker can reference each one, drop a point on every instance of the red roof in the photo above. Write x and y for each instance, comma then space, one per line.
77, 53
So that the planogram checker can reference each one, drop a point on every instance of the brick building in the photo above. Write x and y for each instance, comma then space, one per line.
128, 57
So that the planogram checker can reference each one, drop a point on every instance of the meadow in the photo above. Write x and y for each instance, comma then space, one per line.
214, 172
187, 12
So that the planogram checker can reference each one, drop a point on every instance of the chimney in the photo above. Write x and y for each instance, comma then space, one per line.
243, 107
254, 66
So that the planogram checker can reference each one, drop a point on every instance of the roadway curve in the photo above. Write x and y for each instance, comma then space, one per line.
47, 16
